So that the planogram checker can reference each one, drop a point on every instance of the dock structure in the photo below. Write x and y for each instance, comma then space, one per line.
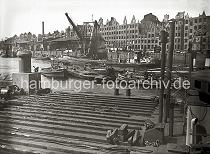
67, 122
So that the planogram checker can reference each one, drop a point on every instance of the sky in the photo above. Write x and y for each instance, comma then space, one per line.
19, 16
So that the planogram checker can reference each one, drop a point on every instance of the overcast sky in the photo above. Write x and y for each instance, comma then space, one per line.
19, 16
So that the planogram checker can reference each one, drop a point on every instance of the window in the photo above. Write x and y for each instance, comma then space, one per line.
204, 19
195, 27
200, 19
186, 27
190, 30
185, 46
185, 34
191, 23
195, 21
186, 21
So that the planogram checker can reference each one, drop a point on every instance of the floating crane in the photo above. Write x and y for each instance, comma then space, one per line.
93, 46
77, 32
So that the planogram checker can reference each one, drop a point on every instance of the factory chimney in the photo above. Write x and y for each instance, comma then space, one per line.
42, 27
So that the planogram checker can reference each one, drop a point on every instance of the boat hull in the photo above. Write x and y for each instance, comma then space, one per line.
56, 73
81, 75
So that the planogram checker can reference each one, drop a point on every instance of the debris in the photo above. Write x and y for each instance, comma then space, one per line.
130, 133
175, 148
123, 131
108, 134
112, 137
149, 124
123, 135
136, 138
152, 135
130, 140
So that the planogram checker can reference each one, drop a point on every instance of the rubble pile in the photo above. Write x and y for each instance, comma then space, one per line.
149, 135
123, 135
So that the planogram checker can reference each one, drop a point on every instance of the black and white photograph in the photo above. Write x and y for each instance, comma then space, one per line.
104, 76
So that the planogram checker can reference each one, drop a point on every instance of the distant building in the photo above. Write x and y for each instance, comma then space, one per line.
191, 28
136, 35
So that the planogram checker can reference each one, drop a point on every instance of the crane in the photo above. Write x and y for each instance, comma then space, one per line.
74, 27
93, 46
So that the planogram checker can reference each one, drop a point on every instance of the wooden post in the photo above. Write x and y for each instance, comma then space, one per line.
169, 104
163, 35
191, 60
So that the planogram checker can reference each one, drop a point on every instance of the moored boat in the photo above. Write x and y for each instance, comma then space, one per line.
82, 74
42, 58
55, 72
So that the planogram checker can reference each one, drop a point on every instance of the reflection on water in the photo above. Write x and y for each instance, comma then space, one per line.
9, 65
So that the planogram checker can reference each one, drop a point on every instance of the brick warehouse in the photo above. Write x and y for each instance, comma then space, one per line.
139, 36
144, 35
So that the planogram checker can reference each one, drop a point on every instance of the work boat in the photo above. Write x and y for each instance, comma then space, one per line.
82, 74
56, 71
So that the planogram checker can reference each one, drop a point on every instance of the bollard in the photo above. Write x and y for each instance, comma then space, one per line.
128, 92
116, 91
25, 61
30, 82
163, 38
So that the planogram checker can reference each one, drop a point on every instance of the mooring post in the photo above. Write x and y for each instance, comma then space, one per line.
25, 61
163, 38
169, 103
116, 88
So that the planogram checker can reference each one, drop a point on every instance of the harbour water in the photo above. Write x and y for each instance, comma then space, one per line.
11, 65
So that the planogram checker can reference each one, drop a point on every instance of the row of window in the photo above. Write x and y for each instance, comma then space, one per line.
140, 47
118, 27
139, 40
129, 32
196, 20
119, 32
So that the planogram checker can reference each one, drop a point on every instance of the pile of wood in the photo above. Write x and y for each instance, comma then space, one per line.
124, 135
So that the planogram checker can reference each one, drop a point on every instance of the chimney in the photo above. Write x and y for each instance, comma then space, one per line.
42, 27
